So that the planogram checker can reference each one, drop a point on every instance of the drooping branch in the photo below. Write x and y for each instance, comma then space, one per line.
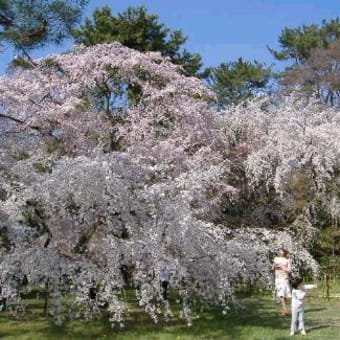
11, 118
25, 53
19, 121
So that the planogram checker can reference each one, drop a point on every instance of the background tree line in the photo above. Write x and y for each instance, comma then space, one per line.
312, 51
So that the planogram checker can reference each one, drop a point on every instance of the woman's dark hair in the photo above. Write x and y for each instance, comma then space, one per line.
284, 251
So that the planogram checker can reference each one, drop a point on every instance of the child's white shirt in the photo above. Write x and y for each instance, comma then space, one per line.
298, 296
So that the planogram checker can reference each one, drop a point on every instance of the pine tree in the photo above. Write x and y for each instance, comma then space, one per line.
137, 29
238, 80
28, 25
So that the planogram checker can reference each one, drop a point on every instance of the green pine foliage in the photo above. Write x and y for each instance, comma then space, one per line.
137, 29
236, 81
28, 25
297, 43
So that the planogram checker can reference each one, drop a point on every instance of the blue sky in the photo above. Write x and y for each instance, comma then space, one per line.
223, 30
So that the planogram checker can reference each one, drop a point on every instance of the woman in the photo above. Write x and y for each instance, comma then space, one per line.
282, 268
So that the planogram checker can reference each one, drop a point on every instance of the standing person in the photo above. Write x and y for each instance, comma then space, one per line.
282, 268
298, 295
164, 278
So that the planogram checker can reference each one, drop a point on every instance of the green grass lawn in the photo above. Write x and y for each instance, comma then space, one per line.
260, 320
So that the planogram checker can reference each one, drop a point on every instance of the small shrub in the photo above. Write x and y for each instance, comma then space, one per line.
41, 167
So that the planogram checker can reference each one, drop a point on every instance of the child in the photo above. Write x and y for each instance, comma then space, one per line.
298, 295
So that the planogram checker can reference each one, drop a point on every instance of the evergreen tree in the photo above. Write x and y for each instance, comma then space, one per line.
297, 43
238, 80
137, 29
27, 25
314, 52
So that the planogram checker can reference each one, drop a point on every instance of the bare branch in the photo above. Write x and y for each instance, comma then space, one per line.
12, 118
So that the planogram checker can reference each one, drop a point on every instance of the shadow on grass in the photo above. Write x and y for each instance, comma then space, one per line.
309, 310
260, 315
315, 328
138, 325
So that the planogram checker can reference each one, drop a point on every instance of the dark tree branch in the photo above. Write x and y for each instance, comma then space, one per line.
5, 21
35, 33
12, 118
